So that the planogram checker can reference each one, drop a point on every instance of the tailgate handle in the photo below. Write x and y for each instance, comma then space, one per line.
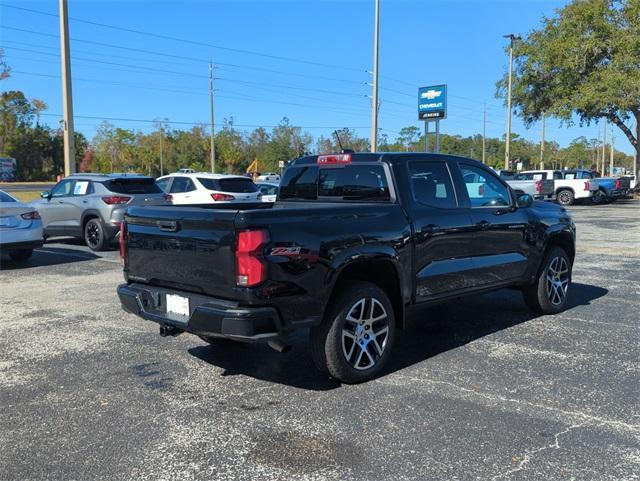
167, 225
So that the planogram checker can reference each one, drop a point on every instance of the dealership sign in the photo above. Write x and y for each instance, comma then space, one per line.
432, 102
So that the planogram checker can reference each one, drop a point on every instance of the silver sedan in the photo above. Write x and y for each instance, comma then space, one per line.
20, 228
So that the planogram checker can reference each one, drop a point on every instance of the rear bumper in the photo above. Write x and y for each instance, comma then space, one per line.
208, 316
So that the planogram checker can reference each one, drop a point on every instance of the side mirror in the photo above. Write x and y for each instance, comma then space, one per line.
525, 200
45, 195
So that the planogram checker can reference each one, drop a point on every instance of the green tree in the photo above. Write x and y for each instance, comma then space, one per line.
585, 61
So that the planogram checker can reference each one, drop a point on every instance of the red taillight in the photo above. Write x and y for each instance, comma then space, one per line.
168, 197
220, 197
587, 185
122, 242
616, 184
250, 269
539, 186
334, 159
31, 215
116, 199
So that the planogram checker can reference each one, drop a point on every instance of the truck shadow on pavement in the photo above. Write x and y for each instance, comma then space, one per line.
437, 329
47, 256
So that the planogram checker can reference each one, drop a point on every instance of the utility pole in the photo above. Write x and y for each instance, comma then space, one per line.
604, 146
542, 146
213, 142
161, 159
611, 155
374, 107
484, 134
507, 150
67, 96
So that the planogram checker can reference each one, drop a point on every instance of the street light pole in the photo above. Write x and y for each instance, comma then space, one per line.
374, 106
213, 144
507, 151
542, 146
484, 134
67, 96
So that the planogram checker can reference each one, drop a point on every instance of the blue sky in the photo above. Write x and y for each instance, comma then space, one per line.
118, 74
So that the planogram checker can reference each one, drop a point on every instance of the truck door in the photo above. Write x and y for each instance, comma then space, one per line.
499, 247
441, 230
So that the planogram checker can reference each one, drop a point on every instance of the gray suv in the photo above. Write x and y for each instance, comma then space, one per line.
91, 206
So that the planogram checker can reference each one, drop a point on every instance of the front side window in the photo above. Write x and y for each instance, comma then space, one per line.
182, 184
431, 184
162, 183
483, 188
63, 189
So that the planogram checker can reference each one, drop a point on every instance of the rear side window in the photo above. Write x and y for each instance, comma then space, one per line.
6, 197
133, 186
431, 184
300, 183
354, 182
557, 176
236, 185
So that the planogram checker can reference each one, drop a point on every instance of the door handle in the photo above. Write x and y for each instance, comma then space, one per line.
483, 224
84, 201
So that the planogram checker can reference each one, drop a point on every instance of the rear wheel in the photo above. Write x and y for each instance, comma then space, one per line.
598, 197
94, 235
565, 197
548, 295
21, 254
353, 343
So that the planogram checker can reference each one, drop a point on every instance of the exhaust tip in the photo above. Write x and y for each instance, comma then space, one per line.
278, 345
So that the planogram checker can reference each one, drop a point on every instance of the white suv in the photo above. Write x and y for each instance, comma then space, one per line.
203, 188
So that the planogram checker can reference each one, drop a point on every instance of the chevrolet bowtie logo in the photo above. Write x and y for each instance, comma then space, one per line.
431, 94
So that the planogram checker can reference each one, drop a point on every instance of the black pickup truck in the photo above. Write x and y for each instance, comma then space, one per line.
355, 244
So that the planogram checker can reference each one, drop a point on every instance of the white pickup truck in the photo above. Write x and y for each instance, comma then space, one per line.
567, 190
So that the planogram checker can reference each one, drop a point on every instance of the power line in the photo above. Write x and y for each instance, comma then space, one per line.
176, 122
191, 42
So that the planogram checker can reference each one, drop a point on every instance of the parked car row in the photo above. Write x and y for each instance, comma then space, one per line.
568, 186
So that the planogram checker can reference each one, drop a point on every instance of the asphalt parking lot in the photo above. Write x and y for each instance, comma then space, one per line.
482, 391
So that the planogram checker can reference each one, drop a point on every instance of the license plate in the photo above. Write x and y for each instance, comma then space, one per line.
178, 305
4, 221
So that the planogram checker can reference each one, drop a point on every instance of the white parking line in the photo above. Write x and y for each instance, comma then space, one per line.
98, 258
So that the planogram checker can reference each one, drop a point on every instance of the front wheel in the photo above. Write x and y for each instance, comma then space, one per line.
548, 294
354, 341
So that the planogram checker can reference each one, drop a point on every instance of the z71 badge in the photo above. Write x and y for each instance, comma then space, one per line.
285, 251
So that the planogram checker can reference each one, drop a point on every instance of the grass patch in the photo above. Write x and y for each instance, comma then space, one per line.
26, 195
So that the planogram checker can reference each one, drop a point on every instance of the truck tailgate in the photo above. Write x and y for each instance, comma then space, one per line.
184, 248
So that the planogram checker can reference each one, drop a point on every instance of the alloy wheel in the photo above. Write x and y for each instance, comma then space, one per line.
365, 333
557, 282
93, 234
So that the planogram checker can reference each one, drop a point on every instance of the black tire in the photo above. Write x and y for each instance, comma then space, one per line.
545, 295
94, 235
21, 255
565, 197
598, 197
331, 340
